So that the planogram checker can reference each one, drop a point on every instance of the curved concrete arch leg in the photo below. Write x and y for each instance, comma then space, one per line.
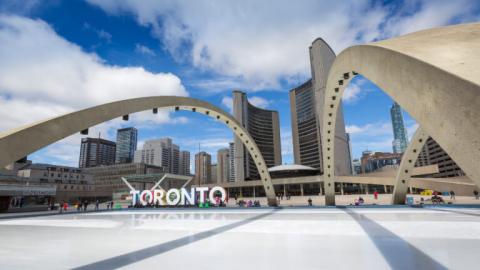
333, 97
407, 164
22, 141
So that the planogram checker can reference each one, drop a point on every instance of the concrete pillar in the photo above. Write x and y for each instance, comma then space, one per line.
301, 189
321, 191
385, 188
410, 190
366, 189
241, 192
341, 188
284, 190
254, 192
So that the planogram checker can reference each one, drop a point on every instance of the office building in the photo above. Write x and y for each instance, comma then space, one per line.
213, 171
432, 153
184, 163
160, 152
263, 126
231, 162
400, 137
306, 106
203, 166
96, 152
126, 145
223, 165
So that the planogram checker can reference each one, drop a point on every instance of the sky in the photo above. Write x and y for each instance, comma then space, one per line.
61, 56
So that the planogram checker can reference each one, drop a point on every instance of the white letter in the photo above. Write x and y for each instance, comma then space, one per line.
222, 193
158, 195
190, 198
202, 191
174, 201
134, 196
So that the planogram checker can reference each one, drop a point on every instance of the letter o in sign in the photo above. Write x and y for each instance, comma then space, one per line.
143, 197
222, 191
173, 193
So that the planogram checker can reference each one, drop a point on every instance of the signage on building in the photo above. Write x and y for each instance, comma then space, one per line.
178, 197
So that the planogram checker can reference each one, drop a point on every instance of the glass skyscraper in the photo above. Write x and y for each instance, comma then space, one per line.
126, 145
400, 139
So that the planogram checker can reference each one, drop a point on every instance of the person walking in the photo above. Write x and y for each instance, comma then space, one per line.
111, 205
475, 192
60, 207
375, 195
96, 205
310, 202
65, 207
452, 195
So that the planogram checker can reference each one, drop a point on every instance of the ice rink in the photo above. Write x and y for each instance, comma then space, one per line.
314, 238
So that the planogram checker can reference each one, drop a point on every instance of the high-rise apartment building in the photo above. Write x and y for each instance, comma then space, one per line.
306, 104
184, 163
263, 126
213, 171
432, 153
96, 152
160, 152
231, 162
126, 145
400, 137
203, 166
223, 165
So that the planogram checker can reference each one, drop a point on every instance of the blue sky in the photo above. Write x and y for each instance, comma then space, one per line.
61, 56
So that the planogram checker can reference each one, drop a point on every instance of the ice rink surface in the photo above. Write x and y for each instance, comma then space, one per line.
315, 238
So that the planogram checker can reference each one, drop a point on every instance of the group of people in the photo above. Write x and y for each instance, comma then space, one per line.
248, 203
63, 206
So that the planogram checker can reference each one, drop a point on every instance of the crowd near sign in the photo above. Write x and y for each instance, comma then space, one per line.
178, 197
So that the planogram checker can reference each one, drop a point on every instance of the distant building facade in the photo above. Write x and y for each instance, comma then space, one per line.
71, 183
213, 171
184, 163
96, 152
223, 165
306, 106
203, 166
231, 162
373, 161
400, 137
126, 145
160, 152
107, 179
432, 153
263, 125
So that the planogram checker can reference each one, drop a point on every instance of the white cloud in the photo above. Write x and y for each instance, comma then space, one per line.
257, 44
370, 129
354, 91
259, 102
228, 103
42, 75
142, 49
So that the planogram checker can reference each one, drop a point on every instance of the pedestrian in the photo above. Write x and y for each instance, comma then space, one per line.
475, 192
85, 204
108, 205
96, 205
310, 202
79, 206
60, 207
452, 195
111, 205
375, 194
65, 207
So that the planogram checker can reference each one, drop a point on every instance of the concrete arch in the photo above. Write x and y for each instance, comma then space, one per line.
407, 164
433, 74
22, 141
